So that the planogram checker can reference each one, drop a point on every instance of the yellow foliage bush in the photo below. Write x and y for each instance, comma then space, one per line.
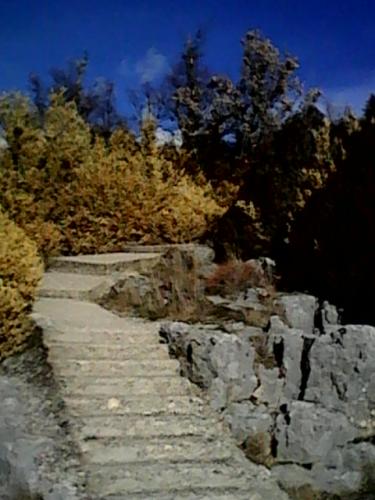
20, 272
74, 193
119, 197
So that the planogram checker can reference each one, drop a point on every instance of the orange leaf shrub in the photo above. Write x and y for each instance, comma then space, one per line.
20, 272
73, 192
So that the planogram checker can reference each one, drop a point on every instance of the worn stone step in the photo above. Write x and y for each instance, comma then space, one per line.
164, 247
110, 368
108, 386
73, 286
85, 407
67, 314
163, 479
177, 449
104, 264
117, 352
206, 494
118, 338
260, 487
60, 313
146, 427
201, 494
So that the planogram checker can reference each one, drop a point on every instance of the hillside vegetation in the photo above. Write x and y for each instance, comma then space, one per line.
20, 272
74, 192
261, 170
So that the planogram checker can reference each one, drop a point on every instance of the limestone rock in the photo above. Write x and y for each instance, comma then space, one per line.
299, 310
35, 459
298, 398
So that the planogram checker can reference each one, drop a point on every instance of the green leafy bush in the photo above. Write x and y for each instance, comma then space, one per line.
20, 272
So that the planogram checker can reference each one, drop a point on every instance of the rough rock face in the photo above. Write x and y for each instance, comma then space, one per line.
299, 395
37, 458
154, 292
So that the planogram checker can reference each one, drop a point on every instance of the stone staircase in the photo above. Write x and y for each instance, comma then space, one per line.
144, 432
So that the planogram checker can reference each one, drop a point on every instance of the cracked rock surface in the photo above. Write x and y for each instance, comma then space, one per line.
299, 395
38, 459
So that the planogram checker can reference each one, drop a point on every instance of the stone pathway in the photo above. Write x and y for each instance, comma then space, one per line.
143, 431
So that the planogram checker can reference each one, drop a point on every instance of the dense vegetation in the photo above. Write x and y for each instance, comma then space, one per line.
20, 271
72, 191
261, 170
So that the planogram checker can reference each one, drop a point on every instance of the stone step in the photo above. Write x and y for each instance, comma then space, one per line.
146, 427
87, 407
142, 431
164, 479
98, 352
109, 386
111, 368
74, 286
206, 494
177, 449
114, 338
105, 264
66, 314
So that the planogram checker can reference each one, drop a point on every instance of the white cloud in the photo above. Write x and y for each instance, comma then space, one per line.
152, 66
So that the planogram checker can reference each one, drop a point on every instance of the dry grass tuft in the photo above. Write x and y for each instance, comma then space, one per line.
236, 276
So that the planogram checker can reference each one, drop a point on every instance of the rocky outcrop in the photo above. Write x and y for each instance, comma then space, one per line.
171, 288
37, 457
299, 394
296, 389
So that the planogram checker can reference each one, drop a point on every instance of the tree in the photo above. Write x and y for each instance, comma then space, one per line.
39, 93
70, 81
332, 241
267, 92
369, 112
225, 121
200, 105
95, 104
101, 107
189, 93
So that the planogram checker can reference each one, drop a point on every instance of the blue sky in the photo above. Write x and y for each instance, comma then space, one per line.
132, 42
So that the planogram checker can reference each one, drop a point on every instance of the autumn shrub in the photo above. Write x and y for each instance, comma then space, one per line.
119, 197
40, 162
74, 192
20, 272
